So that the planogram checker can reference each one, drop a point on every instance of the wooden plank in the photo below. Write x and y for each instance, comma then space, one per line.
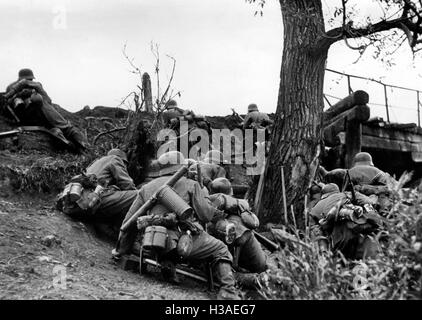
391, 134
358, 97
336, 125
390, 144
353, 141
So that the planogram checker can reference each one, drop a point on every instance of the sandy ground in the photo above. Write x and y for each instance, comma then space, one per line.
76, 264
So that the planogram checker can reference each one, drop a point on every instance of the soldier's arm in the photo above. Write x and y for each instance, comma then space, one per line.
202, 204
219, 172
39, 88
247, 121
121, 176
267, 120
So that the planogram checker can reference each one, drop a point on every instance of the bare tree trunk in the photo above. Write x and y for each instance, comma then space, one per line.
297, 129
146, 87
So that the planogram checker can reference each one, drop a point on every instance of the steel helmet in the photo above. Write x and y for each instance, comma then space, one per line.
26, 74
171, 104
252, 107
363, 158
329, 189
221, 185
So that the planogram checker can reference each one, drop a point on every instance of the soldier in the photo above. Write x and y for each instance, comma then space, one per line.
255, 119
372, 182
249, 258
204, 246
115, 189
172, 114
364, 172
33, 106
210, 167
346, 227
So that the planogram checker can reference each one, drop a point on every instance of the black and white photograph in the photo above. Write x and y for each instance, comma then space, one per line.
199, 152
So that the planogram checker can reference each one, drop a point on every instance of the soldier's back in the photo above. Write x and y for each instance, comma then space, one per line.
365, 174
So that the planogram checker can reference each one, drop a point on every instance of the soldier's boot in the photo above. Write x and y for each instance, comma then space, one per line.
168, 270
224, 274
73, 134
58, 132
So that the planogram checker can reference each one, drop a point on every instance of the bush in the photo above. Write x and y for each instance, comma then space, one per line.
301, 271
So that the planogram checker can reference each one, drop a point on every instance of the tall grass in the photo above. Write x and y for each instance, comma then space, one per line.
302, 271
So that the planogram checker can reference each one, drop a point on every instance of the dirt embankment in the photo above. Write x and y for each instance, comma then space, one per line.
46, 255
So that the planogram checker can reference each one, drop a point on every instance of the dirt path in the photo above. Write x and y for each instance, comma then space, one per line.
75, 265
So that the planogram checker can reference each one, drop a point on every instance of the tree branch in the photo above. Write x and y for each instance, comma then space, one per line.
107, 132
339, 33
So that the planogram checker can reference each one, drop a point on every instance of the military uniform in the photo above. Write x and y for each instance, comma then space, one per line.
120, 191
205, 247
38, 109
350, 235
364, 172
256, 119
250, 255
209, 172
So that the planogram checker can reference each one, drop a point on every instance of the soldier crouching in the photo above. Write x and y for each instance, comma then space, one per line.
235, 228
103, 194
342, 226
203, 247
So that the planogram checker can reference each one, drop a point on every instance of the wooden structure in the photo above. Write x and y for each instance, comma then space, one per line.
346, 117
395, 147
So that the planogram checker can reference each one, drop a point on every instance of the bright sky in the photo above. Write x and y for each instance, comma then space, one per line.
225, 56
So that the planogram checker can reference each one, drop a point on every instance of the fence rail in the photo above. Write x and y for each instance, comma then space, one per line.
418, 95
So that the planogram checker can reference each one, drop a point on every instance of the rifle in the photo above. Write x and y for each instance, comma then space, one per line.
153, 199
34, 128
348, 180
267, 243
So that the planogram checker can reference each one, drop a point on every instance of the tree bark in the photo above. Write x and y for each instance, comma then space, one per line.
146, 86
139, 144
297, 129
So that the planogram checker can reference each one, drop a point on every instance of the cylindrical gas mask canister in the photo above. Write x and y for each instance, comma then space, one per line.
65, 192
75, 192
173, 202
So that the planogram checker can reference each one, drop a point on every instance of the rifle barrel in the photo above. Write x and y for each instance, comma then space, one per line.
270, 245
